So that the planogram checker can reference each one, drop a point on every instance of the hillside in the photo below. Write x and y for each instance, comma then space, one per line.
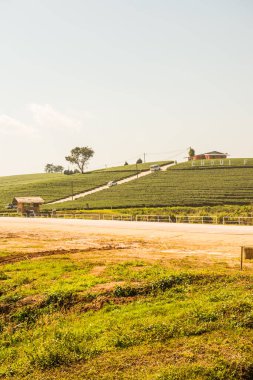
56, 186
180, 185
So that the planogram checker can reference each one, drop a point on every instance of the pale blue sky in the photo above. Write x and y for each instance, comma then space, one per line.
124, 77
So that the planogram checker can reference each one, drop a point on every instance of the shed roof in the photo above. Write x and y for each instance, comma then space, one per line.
38, 200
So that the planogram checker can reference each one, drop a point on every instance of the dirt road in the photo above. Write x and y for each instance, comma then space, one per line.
158, 241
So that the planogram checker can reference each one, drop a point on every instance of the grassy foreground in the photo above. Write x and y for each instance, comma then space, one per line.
72, 317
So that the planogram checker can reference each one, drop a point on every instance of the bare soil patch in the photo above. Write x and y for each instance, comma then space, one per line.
107, 287
98, 270
23, 239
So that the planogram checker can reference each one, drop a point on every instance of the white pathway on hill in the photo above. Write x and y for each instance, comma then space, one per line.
120, 182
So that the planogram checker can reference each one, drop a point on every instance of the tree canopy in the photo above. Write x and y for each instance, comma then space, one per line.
51, 168
80, 156
191, 152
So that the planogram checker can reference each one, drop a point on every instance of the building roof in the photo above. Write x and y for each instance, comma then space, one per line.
38, 200
214, 153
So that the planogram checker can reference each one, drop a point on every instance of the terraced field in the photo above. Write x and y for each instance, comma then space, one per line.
56, 186
177, 187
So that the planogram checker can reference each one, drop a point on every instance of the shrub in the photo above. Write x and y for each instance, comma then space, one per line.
59, 299
3, 276
27, 315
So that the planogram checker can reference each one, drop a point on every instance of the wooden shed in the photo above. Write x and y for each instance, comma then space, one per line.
28, 205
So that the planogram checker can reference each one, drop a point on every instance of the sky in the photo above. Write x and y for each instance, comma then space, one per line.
125, 77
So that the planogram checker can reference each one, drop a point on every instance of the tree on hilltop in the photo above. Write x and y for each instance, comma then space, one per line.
51, 168
80, 156
139, 161
191, 152
58, 169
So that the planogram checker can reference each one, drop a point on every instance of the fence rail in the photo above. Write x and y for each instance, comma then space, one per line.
9, 214
153, 218
241, 220
207, 219
191, 219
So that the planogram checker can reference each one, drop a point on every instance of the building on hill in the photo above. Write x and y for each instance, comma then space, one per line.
214, 155
209, 156
28, 205
197, 157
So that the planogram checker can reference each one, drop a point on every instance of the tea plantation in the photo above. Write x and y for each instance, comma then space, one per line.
180, 185
56, 186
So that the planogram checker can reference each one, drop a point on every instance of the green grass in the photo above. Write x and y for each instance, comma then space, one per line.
56, 186
170, 320
198, 187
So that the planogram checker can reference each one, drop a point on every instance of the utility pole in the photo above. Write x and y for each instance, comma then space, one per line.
72, 190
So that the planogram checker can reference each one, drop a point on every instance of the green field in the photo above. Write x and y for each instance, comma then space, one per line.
56, 186
182, 185
177, 187
174, 320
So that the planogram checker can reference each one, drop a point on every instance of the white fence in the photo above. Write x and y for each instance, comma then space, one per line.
94, 216
128, 217
207, 219
121, 217
191, 219
241, 220
153, 218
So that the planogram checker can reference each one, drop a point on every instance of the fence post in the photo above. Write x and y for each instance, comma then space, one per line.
242, 248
